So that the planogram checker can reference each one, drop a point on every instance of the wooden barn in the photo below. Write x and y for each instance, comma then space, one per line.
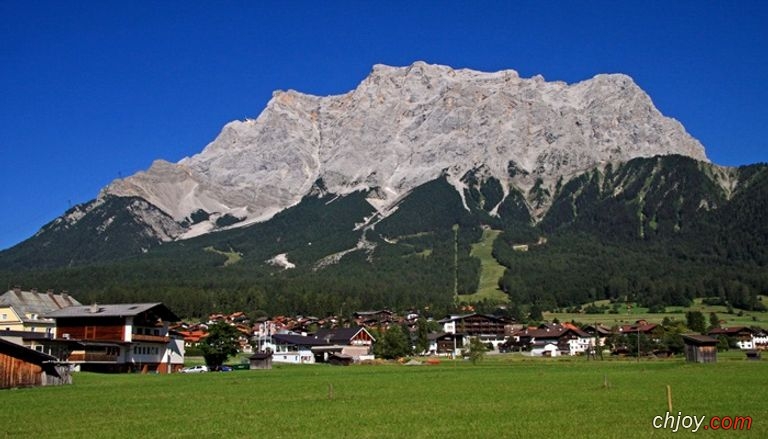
261, 360
24, 367
700, 348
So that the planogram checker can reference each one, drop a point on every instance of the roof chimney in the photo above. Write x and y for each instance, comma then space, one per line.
94, 308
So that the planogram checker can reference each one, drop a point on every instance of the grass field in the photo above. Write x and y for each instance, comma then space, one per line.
490, 271
232, 256
748, 318
505, 396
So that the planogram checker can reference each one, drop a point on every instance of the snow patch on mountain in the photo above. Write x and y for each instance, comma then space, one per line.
282, 261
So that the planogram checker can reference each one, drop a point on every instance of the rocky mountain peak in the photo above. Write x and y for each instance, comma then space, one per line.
404, 126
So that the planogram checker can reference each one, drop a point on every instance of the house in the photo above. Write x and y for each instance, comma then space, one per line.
567, 338
295, 348
356, 342
373, 318
760, 338
119, 337
700, 348
599, 333
22, 316
24, 367
445, 343
640, 326
192, 336
744, 336
489, 329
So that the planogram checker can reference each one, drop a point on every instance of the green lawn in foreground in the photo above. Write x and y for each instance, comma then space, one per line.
506, 396
490, 271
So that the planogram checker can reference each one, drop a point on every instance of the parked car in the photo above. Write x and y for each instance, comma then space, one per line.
225, 368
195, 369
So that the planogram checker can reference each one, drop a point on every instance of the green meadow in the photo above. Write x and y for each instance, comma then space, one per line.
505, 396
490, 271
635, 313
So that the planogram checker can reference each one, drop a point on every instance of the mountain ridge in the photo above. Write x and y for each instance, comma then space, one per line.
404, 126
374, 198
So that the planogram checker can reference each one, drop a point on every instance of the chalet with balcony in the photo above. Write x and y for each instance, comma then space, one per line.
555, 339
119, 338
489, 329
743, 335
445, 344
356, 342
295, 348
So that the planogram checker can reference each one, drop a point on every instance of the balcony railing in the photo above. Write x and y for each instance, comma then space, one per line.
92, 357
150, 338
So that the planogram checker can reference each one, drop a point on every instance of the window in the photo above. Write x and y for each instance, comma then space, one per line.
4, 317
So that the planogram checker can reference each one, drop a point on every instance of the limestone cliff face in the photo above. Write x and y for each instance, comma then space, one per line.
404, 126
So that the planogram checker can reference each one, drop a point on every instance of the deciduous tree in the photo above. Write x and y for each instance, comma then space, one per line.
220, 344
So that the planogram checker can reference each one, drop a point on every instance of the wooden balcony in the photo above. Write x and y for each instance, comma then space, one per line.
150, 338
80, 357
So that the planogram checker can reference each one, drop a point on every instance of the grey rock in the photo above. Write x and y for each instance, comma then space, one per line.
405, 126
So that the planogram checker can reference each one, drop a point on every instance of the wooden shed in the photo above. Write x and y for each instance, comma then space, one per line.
24, 367
700, 348
261, 360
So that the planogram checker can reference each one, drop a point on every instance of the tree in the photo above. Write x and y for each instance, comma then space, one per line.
220, 344
714, 320
394, 343
723, 344
476, 350
535, 314
694, 320
422, 339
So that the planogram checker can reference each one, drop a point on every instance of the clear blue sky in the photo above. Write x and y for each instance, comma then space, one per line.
94, 90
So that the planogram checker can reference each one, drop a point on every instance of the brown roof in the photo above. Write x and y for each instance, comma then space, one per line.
641, 326
731, 331
551, 331
699, 340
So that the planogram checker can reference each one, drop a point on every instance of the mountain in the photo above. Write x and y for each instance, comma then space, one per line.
400, 128
375, 197
662, 230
